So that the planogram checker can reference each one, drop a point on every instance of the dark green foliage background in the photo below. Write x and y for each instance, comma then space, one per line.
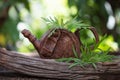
92, 12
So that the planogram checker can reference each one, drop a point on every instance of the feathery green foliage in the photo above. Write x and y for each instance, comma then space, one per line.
69, 25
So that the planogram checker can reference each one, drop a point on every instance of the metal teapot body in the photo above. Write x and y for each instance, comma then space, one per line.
57, 43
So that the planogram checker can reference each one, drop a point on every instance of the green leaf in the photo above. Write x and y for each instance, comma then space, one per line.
73, 65
75, 53
94, 65
64, 59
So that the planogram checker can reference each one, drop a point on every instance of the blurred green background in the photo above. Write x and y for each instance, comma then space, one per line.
16, 15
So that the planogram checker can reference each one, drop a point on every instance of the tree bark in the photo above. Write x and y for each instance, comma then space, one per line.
49, 68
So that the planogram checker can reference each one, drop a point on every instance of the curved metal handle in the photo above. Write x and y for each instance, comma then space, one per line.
93, 31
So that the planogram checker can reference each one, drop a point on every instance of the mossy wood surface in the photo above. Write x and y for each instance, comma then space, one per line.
21, 67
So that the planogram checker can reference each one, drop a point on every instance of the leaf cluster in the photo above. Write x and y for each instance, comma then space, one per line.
69, 25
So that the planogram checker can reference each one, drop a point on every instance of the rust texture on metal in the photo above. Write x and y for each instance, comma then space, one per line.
58, 43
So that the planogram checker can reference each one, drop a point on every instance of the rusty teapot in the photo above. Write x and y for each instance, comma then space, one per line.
58, 43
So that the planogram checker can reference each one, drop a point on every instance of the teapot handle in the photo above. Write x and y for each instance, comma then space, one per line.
93, 31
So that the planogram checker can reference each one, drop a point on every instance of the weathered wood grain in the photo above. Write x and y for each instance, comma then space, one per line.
49, 68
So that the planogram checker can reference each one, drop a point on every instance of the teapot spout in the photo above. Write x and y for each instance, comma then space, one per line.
31, 38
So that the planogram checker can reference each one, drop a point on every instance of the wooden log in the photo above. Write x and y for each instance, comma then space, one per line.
49, 68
